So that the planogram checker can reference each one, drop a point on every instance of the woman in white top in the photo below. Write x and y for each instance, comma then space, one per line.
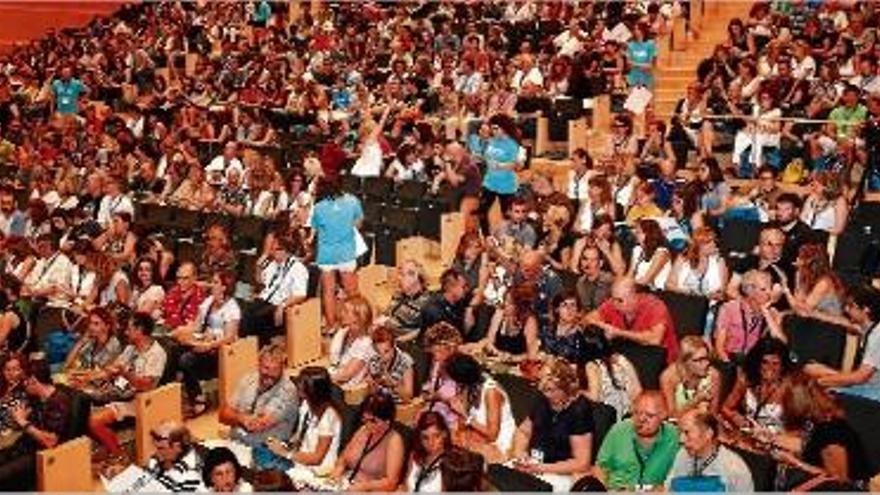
650, 263
762, 131
117, 289
433, 439
612, 379
315, 441
297, 200
701, 269
351, 347
369, 164
483, 406
146, 293
215, 325
83, 277
825, 207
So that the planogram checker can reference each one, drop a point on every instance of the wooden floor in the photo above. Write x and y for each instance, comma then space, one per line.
24, 21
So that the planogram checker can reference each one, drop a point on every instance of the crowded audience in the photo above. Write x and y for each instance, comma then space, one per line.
652, 314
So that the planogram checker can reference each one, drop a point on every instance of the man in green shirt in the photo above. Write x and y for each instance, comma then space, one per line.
850, 114
638, 453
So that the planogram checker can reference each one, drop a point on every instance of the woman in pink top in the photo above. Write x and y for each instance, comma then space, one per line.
442, 341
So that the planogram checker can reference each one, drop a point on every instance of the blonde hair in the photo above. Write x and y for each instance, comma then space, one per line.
689, 346
561, 374
362, 312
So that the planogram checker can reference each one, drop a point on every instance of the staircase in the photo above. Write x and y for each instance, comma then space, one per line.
679, 57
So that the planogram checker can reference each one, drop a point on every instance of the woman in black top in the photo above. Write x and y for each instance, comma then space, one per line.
557, 437
513, 331
13, 326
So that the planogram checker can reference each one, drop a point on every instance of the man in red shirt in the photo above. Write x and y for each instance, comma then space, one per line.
639, 317
181, 305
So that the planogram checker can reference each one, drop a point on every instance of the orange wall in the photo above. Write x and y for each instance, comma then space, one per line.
23, 21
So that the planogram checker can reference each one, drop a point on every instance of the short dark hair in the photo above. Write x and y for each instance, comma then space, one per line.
462, 471
381, 406
449, 276
143, 322
216, 457
464, 370
790, 198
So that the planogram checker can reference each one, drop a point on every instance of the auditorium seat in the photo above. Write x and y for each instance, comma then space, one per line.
236, 360
688, 312
152, 409
815, 340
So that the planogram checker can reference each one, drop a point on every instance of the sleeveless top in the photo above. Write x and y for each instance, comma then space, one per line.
642, 265
17, 336
693, 282
511, 341
819, 216
768, 415
684, 395
480, 414
373, 465
616, 397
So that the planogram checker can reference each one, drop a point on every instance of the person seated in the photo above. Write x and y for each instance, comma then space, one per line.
222, 473
463, 471
433, 440
34, 413
449, 304
284, 283
594, 285
441, 342
611, 377
118, 241
215, 326
817, 439
817, 289
315, 441
218, 253
175, 465
555, 441
637, 453
390, 370
703, 457
637, 317
485, 419
700, 270
744, 321
513, 330
372, 461
650, 263
691, 382
768, 260
644, 206
350, 347
182, 301
13, 324
404, 314
565, 336
146, 289
756, 399
264, 403
51, 273
95, 350
516, 227
863, 310
138, 369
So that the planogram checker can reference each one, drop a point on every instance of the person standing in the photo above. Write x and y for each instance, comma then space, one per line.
336, 218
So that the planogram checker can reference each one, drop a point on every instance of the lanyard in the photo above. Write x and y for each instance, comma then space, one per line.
750, 325
278, 277
47, 267
699, 466
425, 472
369, 447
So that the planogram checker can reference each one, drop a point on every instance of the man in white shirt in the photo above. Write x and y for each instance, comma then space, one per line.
469, 80
114, 201
51, 275
221, 165
284, 282
569, 42
528, 78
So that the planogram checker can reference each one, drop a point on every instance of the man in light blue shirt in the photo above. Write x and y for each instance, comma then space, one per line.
67, 91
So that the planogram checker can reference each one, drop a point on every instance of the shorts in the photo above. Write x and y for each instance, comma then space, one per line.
347, 266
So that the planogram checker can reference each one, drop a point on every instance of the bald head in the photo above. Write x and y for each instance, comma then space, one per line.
455, 151
531, 262
648, 414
